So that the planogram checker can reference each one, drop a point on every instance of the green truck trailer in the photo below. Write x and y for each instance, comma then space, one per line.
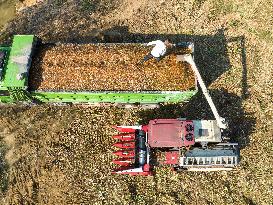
16, 62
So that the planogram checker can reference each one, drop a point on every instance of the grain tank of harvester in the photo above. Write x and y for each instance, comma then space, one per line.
193, 145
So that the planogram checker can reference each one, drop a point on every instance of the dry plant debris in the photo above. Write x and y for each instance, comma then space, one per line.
107, 67
61, 155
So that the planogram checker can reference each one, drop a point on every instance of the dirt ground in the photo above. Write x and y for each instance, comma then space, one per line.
62, 155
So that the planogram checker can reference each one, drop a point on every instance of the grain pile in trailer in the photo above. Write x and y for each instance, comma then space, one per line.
107, 67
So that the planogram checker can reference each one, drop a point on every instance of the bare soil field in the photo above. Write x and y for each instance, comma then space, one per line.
62, 155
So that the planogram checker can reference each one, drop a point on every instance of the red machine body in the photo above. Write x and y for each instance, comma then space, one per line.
182, 144
170, 133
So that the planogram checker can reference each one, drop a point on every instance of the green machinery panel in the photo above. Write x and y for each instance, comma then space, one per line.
6, 99
113, 97
16, 74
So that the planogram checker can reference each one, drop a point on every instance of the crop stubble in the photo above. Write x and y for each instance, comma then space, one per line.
250, 183
107, 67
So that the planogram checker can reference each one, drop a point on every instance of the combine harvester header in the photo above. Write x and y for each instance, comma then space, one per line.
16, 63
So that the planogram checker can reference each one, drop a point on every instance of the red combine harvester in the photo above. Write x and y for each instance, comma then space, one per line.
193, 145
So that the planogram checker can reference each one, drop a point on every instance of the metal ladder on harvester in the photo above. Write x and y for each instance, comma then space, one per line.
205, 161
224, 156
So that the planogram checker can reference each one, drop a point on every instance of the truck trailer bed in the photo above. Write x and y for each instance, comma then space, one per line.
104, 67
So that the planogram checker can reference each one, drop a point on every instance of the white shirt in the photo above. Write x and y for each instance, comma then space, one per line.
159, 49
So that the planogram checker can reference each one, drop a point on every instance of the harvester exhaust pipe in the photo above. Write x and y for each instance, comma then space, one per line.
188, 58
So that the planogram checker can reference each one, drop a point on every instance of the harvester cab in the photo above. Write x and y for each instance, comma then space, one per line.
193, 145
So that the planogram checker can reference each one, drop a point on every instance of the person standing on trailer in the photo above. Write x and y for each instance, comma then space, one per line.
159, 50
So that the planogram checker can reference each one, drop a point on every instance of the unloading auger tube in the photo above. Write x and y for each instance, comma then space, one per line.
188, 58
